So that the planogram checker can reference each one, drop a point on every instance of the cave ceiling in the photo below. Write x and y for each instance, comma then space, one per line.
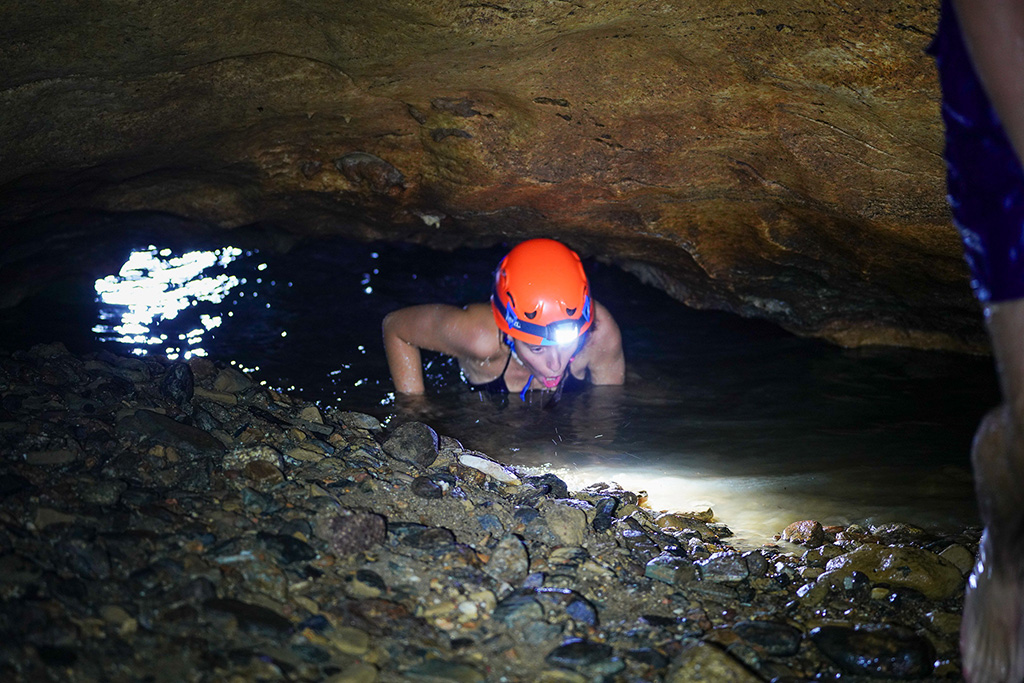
780, 160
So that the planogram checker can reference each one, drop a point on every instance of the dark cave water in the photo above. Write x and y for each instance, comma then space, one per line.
764, 427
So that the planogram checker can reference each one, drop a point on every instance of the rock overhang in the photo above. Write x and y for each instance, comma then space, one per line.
782, 162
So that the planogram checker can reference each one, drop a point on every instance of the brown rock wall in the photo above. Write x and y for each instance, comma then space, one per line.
781, 161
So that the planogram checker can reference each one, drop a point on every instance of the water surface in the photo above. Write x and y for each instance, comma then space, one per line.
764, 427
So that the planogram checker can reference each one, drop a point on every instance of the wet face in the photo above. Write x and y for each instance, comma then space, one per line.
546, 363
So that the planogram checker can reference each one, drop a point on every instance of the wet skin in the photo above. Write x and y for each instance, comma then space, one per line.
992, 630
471, 336
547, 364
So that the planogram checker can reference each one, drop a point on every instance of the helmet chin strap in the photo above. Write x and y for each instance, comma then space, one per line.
522, 395
512, 348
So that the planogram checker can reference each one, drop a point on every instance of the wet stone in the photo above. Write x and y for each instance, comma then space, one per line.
178, 384
424, 538
706, 663
549, 485
425, 487
604, 511
519, 608
876, 650
579, 654
360, 421
728, 567
232, 381
262, 474
819, 557
346, 532
168, 431
288, 548
958, 556
509, 561
670, 569
360, 672
639, 543
806, 532
441, 670
251, 617
491, 524
648, 656
773, 637
256, 501
413, 442
366, 583
904, 567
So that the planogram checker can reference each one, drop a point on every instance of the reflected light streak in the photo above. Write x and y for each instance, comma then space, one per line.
752, 507
154, 286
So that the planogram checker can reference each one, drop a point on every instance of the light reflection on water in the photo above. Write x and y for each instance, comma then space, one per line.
737, 415
153, 287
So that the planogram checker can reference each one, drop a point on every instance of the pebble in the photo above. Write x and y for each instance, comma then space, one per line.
425, 487
671, 569
347, 532
360, 672
579, 654
178, 384
819, 556
959, 556
509, 561
604, 511
232, 381
906, 567
414, 443
777, 639
726, 567
876, 650
705, 663
566, 522
806, 532
489, 467
250, 535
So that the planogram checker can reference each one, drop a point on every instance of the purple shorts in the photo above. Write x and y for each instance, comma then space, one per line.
984, 176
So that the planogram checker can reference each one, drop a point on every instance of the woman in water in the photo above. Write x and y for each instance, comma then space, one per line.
541, 330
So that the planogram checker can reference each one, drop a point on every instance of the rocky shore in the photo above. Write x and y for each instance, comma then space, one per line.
168, 521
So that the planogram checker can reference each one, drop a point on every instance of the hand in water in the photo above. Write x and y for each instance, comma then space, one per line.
992, 631
414, 407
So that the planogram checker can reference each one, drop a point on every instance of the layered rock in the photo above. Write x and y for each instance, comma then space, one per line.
782, 162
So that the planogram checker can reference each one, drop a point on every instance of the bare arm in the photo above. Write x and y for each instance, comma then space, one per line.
994, 33
453, 331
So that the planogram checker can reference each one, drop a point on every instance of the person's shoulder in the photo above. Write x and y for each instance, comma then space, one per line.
480, 332
603, 320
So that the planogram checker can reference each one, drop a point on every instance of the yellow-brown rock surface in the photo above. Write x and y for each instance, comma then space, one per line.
781, 160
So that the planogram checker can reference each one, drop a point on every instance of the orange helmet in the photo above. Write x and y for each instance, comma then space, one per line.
541, 294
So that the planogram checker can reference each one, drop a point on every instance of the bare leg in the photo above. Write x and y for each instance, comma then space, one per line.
992, 632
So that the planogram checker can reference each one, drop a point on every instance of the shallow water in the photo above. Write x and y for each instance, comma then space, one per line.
764, 427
